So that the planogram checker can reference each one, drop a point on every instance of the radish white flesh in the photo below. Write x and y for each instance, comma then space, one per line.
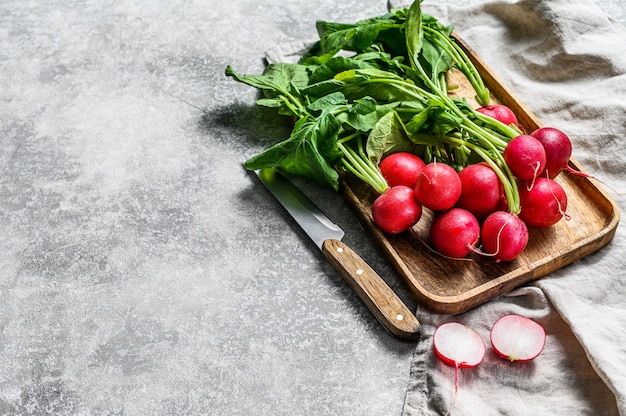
458, 346
517, 338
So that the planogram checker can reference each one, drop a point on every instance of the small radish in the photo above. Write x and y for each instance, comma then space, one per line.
481, 190
455, 233
396, 210
543, 205
401, 168
501, 113
438, 186
558, 149
504, 236
525, 156
458, 346
517, 338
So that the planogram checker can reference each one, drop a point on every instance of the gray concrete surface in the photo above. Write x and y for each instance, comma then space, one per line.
143, 271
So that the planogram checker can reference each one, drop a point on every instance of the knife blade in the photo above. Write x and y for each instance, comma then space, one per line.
380, 299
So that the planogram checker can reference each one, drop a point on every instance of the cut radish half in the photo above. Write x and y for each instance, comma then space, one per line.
458, 346
517, 338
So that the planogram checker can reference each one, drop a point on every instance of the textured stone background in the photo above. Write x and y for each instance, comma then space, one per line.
143, 270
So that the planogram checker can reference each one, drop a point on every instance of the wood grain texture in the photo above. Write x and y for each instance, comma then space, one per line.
380, 299
455, 286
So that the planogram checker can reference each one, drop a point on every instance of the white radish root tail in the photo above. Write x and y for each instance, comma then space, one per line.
456, 389
561, 210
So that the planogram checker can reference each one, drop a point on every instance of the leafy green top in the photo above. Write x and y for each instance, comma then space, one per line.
374, 87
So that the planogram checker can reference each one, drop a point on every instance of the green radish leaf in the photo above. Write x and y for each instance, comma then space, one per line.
315, 55
363, 106
443, 121
367, 73
364, 114
417, 122
414, 32
373, 58
353, 37
335, 66
280, 85
381, 85
277, 77
365, 36
269, 102
323, 88
310, 151
335, 36
434, 23
380, 91
388, 136
328, 102
437, 59
288, 75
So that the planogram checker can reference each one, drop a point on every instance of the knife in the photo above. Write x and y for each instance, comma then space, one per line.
380, 299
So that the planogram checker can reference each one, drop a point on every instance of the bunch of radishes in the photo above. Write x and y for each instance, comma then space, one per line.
470, 205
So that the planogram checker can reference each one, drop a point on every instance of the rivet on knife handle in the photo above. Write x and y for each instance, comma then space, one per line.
381, 300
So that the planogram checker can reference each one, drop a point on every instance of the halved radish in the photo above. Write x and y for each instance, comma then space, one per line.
517, 338
460, 347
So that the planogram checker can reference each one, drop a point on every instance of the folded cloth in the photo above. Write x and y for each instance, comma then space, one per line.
566, 61
561, 381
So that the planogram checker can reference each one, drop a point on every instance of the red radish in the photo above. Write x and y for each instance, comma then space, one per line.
504, 236
396, 210
455, 233
517, 338
558, 149
401, 168
481, 190
438, 186
544, 204
525, 156
501, 113
458, 346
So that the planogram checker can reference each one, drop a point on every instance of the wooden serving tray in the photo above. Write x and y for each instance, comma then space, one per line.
454, 286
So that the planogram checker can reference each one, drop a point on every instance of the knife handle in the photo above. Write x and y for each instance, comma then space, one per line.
381, 300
